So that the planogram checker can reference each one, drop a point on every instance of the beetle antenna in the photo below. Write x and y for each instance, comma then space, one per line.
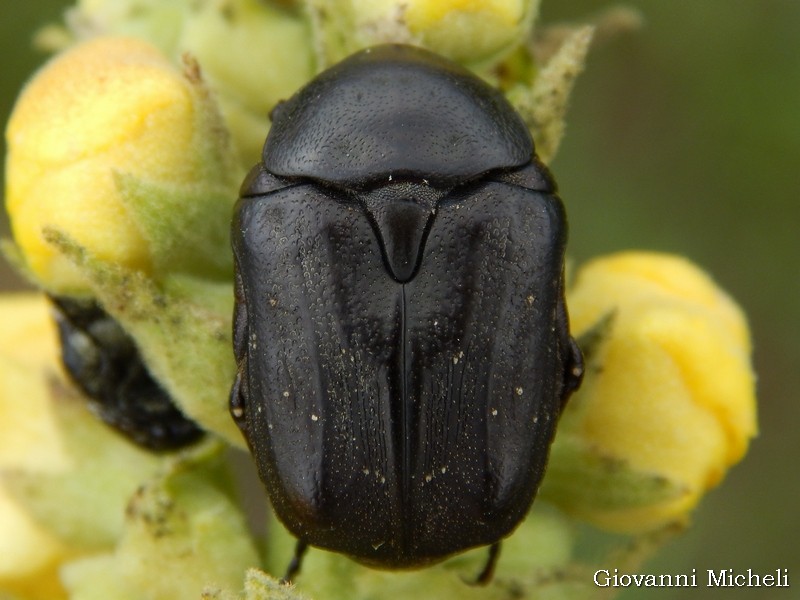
297, 561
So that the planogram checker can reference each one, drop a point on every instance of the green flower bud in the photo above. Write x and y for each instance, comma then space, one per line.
183, 534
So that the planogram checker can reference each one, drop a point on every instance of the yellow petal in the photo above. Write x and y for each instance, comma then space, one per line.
25, 547
29, 435
467, 31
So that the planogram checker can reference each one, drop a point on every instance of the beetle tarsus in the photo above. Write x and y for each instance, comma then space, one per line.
486, 575
297, 561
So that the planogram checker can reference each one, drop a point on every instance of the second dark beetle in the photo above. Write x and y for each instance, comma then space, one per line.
400, 326
104, 362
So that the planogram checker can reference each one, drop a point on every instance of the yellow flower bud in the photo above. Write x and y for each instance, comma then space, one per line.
253, 53
100, 143
668, 403
470, 30
466, 31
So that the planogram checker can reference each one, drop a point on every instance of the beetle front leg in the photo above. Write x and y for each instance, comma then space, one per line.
236, 402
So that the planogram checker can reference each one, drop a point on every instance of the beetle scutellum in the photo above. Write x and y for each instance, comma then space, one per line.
400, 327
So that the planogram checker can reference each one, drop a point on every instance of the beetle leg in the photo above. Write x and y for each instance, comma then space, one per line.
297, 561
574, 362
237, 402
487, 573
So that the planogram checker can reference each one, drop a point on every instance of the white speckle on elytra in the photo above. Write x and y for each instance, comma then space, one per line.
519, 391
286, 393
314, 418
428, 478
494, 412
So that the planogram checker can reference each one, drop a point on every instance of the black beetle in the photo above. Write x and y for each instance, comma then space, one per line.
400, 327
104, 362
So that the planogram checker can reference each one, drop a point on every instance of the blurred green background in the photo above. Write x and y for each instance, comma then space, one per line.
683, 136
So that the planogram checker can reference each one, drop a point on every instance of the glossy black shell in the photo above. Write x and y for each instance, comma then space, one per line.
400, 328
